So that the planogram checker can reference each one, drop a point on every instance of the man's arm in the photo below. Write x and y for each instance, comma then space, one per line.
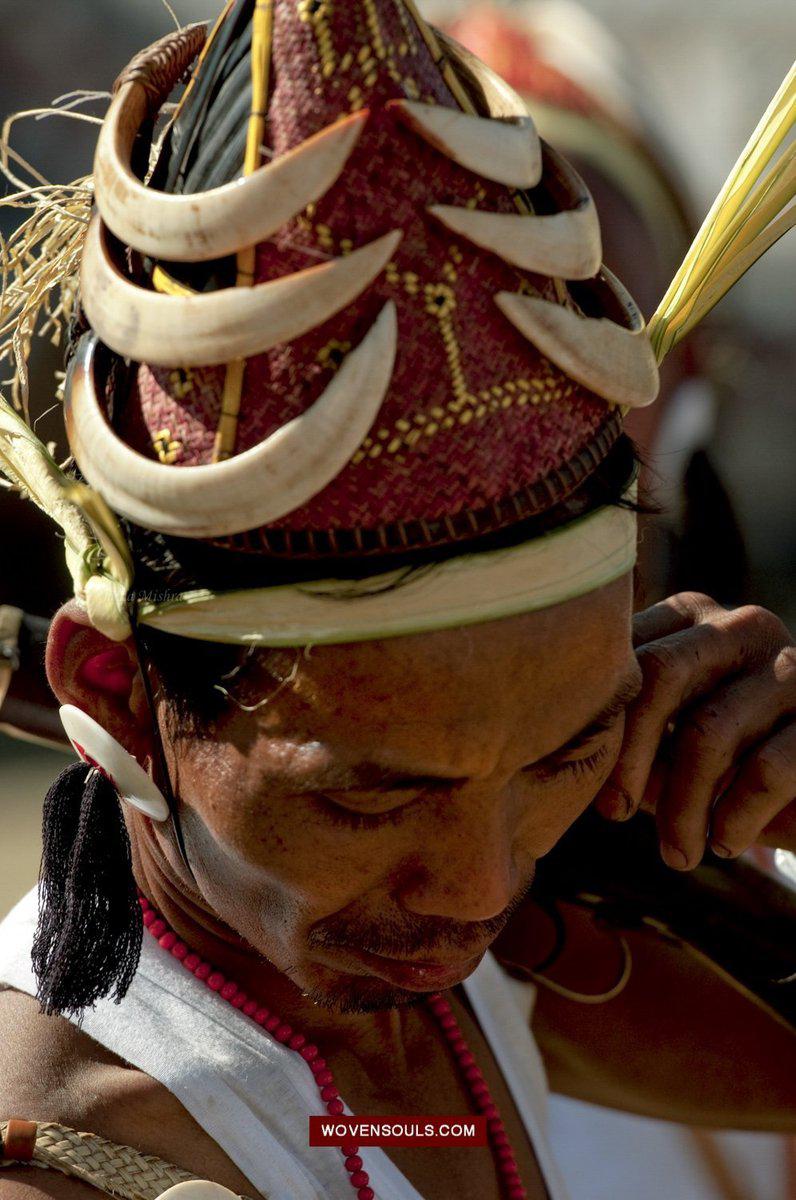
679, 1043
29, 1183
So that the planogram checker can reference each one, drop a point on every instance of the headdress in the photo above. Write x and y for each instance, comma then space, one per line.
344, 322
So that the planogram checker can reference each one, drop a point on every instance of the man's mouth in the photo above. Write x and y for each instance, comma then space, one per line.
414, 975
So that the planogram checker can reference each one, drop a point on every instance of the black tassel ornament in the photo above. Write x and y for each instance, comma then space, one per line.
88, 940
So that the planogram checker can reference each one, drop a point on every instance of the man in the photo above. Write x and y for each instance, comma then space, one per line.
375, 674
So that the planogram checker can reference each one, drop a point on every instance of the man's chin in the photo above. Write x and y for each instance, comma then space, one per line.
354, 995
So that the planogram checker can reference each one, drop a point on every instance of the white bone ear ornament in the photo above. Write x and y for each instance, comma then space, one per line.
96, 746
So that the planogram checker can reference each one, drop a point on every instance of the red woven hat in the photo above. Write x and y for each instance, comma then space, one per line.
349, 366
422, 259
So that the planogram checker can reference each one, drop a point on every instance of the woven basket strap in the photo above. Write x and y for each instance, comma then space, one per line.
116, 1170
158, 68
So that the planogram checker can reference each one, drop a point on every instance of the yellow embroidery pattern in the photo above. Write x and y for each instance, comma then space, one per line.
167, 449
181, 383
409, 46
374, 55
317, 13
464, 406
356, 73
332, 354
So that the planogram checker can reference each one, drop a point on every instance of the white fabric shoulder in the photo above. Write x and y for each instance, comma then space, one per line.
253, 1096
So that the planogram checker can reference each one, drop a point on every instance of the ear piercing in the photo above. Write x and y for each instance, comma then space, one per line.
97, 748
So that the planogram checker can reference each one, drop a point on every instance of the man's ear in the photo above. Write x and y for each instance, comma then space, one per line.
99, 676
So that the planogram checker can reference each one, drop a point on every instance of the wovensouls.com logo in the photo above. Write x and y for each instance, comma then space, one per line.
398, 1131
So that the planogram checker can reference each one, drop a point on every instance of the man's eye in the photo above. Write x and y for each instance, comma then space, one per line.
555, 768
392, 811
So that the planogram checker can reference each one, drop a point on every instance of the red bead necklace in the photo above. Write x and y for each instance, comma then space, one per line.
284, 1033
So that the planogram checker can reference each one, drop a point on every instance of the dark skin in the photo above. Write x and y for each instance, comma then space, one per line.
433, 772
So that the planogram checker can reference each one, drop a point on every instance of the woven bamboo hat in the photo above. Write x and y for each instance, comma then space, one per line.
401, 363
344, 306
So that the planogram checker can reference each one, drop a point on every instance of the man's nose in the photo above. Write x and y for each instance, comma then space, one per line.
466, 871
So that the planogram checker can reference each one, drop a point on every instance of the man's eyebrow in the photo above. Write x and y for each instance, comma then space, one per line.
369, 777
624, 695
378, 777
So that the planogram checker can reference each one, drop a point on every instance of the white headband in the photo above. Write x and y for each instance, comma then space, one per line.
579, 558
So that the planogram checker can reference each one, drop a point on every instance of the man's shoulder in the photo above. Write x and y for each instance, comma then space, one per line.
24, 1183
46, 1063
51, 1071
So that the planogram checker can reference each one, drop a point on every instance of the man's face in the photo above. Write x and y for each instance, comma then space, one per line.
370, 828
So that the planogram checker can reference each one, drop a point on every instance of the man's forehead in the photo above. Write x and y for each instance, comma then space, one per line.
336, 763
428, 704
539, 649
536, 652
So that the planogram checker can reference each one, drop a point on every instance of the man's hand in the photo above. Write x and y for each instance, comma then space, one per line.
710, 744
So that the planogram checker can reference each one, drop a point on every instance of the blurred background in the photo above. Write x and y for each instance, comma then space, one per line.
653, 100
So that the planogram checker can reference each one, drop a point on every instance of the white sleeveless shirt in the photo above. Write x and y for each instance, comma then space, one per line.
254, 1096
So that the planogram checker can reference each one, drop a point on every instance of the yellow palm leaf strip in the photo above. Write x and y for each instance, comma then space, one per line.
740, 265
762, 222
749, 168
741, 195
161, 280
448, 73
106, 530
167, 285
230, 4
262, 31
765, 202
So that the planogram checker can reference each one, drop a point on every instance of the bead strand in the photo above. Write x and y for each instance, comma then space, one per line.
478, 1088
272, 1023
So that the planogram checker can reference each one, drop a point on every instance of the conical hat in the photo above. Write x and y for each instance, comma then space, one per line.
346, 347
438, 241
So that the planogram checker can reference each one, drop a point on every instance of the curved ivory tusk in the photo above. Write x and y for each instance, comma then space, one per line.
220, 222
566, 245
616, 363
506, 151
252, 489
217, 327
500, 99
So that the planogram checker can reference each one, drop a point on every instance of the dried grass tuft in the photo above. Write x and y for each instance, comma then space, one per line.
39, 262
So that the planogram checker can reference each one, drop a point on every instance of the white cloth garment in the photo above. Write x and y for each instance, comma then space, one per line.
254, 1096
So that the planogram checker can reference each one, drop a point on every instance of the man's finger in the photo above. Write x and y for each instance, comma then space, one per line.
677, 670
673, 615
764, 787
707, 746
